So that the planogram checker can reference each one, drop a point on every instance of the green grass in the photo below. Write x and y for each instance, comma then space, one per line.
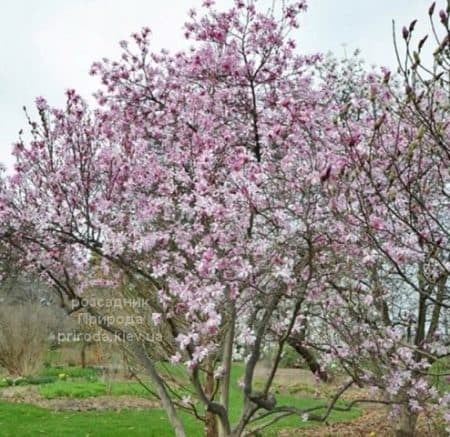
283, 399
27, 420
70, 389
441, 367
50, 375
33, 380
72, 372
21, 420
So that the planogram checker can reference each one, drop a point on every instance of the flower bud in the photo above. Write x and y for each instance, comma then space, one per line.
431, 10
412, 25
422, 42
405, 32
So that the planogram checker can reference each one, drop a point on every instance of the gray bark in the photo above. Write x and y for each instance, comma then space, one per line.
168, 405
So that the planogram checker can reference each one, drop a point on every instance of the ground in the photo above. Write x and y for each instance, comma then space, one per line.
84, 405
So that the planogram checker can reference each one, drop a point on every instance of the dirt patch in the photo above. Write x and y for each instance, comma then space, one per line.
101, 403
302, 383
286, 377
372, 423
29, 395
17, 393
368, 423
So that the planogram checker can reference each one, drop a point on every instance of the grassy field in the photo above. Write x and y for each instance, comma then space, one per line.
80, 390
20, 420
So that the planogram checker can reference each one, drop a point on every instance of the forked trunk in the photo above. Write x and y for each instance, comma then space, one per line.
406, 423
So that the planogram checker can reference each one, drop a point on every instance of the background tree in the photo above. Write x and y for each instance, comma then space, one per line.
389, 303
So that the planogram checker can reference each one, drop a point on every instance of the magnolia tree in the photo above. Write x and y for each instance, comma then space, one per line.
197, 176
243, 198
386, 288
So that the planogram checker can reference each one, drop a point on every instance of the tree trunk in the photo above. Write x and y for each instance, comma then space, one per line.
211, 425
146, 361
83, 355
309, 357
166, 401
406, 423
227, 358
211, 421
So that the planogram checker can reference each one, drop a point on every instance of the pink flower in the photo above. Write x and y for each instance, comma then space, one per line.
41, 103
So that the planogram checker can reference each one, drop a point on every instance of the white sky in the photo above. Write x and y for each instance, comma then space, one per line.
47, 46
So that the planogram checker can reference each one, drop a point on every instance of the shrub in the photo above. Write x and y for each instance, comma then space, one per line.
24, 332
38, 380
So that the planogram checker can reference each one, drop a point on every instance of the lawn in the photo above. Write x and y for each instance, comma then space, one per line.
71, 389
22, 420
27, 420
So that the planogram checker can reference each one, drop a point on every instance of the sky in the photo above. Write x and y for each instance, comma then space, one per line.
48, 46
